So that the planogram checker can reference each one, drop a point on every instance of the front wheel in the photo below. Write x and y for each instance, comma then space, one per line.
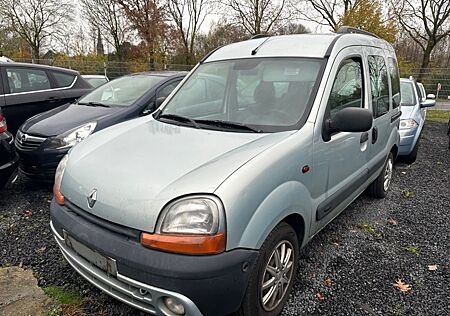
273, 274
380, 187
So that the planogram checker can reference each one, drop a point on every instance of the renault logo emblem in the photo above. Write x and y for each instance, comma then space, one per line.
92, 198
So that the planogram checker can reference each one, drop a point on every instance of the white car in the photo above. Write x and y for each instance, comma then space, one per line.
96, 80
4, 59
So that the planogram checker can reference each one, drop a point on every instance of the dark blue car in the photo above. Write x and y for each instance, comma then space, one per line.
45, 138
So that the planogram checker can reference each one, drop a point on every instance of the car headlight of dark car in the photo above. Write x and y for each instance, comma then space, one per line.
71, 137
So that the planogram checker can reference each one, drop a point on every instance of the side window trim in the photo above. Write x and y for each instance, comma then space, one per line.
379, 55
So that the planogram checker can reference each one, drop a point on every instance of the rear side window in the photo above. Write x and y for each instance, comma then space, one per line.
395, 82
165, 91
63, 80
347, 87
26, 80
379, 83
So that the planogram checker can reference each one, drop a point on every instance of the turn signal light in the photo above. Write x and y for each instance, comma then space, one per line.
185, 244
59, 198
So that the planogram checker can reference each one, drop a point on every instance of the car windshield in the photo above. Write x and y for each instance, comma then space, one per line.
407, 93
123, 91
261, 94
96, 82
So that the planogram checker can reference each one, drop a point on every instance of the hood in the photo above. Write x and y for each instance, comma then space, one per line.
140, 165
64, 118
407, 112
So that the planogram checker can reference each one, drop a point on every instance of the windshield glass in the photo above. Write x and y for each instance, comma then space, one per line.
123, 91
96, 82
267, 94
407, 93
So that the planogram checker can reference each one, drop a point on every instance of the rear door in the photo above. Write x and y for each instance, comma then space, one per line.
71, 86
340, 163
381, 106
28, 91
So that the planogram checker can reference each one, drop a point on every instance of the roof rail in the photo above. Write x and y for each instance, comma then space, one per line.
354, 30
260, 36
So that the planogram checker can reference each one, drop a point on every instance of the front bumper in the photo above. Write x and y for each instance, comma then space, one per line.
408, 139
39, 164
206, 285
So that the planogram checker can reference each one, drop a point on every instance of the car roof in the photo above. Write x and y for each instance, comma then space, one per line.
296, 45
39, 66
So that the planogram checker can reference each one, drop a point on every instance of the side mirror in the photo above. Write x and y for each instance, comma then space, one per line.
427, 103
348, 120
431, 96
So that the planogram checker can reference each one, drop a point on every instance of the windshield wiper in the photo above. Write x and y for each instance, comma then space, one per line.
230, 125
92, 103
179, 118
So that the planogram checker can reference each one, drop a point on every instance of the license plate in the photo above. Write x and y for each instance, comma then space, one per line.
105, 263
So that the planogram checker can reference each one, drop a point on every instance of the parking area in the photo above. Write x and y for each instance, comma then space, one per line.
349, 268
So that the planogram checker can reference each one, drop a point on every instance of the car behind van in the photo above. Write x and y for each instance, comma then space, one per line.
202, 208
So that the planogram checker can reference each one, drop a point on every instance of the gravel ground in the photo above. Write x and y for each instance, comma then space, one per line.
349, 268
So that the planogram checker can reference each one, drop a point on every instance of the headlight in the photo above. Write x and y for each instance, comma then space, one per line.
405, 124
191, 225
72, 137
58, 179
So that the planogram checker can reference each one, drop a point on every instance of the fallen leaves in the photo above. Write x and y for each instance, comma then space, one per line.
320, 296
407, 194
432, 267
327, 281
392, 221
402, 286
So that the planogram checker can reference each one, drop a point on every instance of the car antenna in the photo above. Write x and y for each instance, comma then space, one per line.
254, 51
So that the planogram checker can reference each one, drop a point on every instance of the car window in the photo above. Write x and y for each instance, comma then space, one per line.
166, 90
407, 92
96, 82
62, 79
421, 92
395, 82
379, 83
347, 87
26, 80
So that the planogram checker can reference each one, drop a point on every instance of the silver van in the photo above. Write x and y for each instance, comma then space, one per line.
201, 209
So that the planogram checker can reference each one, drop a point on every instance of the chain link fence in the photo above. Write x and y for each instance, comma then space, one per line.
435, 80
111, 69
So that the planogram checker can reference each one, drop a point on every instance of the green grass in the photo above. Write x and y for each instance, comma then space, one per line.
63, 296
438, 115
368, 228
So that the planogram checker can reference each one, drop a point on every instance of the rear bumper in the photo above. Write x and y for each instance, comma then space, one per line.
9, 160
206, 285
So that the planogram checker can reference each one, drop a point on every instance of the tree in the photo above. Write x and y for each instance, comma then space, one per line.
367, 15
257, 16
110, 18
36, 21
188, 16
325, 12
149, 20
292, 28
220, 34
427, 22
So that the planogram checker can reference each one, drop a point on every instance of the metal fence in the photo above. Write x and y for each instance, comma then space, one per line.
435, 80
111, 69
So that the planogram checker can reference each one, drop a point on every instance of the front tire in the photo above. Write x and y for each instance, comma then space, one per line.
380, 187
273, 274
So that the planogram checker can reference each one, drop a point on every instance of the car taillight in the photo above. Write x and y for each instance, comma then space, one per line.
3, 126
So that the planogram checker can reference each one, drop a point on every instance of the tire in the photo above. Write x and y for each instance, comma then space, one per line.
380, 187
411, 158
252, 304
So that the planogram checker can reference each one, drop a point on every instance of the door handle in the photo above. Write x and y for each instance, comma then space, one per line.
374, 135
52, 99
364, 137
